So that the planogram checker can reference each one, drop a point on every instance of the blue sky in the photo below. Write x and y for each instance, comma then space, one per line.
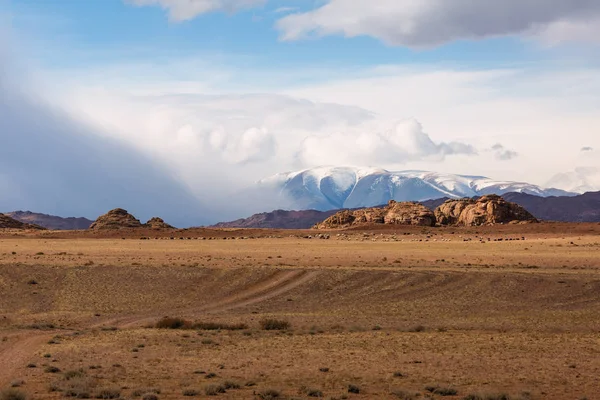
69, 33
222, 93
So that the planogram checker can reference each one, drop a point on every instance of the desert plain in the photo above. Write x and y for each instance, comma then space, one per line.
501, 312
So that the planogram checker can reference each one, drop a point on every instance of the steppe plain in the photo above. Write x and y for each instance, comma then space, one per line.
388, 313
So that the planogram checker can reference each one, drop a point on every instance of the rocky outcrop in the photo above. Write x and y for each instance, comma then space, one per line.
395, 213
157, 223
7, 222
116, 219
486, 210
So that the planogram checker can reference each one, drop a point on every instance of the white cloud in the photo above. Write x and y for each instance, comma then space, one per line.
425, 23
182, 10
581, 180
378, 143
502, 153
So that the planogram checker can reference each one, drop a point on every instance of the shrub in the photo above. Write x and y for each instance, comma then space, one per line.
74, 374
274, 325
145, 391
191, 392
441, 391
108, 393
52, 370
213, 326
79, 388
173, 323
418, 328
404, 395
353, 389
12, 394
213, 390
269, 394
231, 385
150, 396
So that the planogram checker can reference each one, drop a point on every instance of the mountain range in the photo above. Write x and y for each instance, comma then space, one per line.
579, 208
328, 188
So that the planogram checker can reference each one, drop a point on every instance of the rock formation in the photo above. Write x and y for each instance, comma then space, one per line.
395, 213
486, 210
116, 219
157, 223
7, 222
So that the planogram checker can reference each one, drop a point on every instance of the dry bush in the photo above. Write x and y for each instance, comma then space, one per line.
274, 325
12, 394
214, 326
269, 394
173, 323
213, 390
405, 395
107, 393
353, 389
441, 391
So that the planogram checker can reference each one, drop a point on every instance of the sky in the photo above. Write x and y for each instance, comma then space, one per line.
161, 106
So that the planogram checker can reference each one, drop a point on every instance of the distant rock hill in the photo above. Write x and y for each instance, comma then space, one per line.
582, 208
395, 213
6, 222
485, 210
50, 221
121, 219
279, 219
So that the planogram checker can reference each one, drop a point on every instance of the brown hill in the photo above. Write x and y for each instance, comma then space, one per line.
279, 219
116, 219
50, 221
486, 210
582, 208
157, 223
6, 222
395, 213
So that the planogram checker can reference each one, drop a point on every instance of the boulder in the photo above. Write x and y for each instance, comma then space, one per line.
395, 213
486, 210
116, 219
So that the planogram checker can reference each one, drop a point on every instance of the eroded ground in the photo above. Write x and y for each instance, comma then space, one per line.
390, 312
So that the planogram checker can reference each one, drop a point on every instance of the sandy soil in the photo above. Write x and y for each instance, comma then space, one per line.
391, 312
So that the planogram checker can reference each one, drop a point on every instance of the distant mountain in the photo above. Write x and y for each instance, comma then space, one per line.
582, 208
279, 219
329, 188
50, 221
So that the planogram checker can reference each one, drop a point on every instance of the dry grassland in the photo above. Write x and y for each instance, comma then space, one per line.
404, 314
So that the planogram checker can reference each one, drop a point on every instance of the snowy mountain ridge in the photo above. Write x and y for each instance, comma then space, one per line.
331, 187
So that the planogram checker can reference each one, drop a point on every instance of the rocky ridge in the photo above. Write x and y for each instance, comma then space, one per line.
486, 210
7, 222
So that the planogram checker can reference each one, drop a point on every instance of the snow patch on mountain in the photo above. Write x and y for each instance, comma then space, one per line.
332, 187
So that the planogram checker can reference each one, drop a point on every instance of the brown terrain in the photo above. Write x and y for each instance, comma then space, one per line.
50, 221
376, 312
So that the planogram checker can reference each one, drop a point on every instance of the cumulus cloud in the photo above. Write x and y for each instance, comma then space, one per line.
376, 143
587, 149
501, 153
426, 23
182, 10
580, 180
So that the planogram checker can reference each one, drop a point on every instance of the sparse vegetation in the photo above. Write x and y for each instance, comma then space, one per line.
213, 390
441, 391
274, 324
353, 389
12, 394
269, 394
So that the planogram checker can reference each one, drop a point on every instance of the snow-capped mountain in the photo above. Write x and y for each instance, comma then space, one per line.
327, 188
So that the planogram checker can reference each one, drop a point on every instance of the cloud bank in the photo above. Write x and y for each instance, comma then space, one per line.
52, 163
426, 23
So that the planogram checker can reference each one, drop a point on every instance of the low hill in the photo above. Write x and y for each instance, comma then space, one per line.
279, 219
121, 219
582, 208
52, 222
7, 222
